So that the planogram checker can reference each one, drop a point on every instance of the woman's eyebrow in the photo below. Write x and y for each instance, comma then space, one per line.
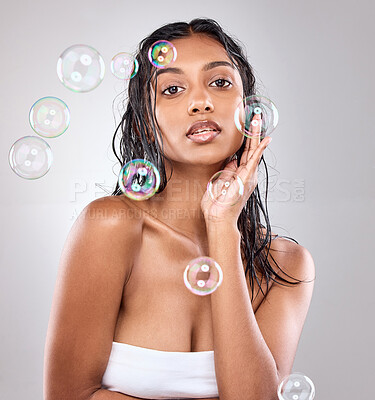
206, 67
215, 64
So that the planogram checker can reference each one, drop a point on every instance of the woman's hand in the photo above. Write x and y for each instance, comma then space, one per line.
228, 214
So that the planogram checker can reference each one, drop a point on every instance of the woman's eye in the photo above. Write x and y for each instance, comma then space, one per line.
222, 83
171, 90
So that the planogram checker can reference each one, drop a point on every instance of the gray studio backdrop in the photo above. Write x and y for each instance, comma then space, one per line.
314, 59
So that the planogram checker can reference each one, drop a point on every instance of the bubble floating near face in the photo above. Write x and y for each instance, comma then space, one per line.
139, 179
251, 107
30, 157
225, 188
162, 53
80, 68
124, 66
296, 386
203, 275
49, 117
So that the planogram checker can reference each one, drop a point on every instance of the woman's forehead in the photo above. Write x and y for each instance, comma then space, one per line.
199, 48
197, 54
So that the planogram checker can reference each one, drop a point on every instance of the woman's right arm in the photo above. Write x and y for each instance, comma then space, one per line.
95, 264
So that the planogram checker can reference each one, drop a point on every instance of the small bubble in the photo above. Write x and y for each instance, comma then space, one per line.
124, 66
162, 53
296, 386
30, 157
80, 68
49, 117
229, 180
139, 179
247, 110
203, 275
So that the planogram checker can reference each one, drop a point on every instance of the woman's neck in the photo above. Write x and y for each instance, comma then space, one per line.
179, 204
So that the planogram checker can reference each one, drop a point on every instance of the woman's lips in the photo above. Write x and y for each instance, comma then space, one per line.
203, 137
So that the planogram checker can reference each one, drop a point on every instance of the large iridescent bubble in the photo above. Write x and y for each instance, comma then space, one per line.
30, 157
162, 53
124, 66
225, 188
80, 68
139, 179
296, 386
49, 117
247, 113
203, 275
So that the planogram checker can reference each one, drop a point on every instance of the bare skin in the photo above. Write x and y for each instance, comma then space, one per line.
121, 271
158, 311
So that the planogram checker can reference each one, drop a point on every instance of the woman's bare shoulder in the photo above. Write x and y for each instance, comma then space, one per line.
115, 210
290, 257
293, 259
95, 264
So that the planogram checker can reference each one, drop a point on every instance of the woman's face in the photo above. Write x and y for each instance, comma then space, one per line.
201, 85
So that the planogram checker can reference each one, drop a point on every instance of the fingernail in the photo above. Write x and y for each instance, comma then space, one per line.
269, 141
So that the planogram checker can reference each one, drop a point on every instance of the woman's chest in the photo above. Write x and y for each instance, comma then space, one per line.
158, 311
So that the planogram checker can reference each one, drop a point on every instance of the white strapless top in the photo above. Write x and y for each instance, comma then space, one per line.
156, 374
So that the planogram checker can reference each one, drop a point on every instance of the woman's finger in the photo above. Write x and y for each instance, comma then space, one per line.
255, 131
253, 162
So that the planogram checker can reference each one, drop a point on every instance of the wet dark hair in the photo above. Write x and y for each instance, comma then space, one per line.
139, 125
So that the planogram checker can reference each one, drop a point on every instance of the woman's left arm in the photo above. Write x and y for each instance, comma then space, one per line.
244, 365
252, 353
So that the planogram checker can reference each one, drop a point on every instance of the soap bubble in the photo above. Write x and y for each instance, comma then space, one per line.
124, 66
139, 179
203, 276
49, 117
80, 68
225, 188
246, 116
162, 53
30, 157
296, 386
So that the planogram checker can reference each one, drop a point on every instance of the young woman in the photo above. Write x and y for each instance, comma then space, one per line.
123, 325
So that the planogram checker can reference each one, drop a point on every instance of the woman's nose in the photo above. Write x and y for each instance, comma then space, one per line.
200, 105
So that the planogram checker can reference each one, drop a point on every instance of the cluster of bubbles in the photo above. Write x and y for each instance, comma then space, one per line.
30, 157
81, 69
255, 117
